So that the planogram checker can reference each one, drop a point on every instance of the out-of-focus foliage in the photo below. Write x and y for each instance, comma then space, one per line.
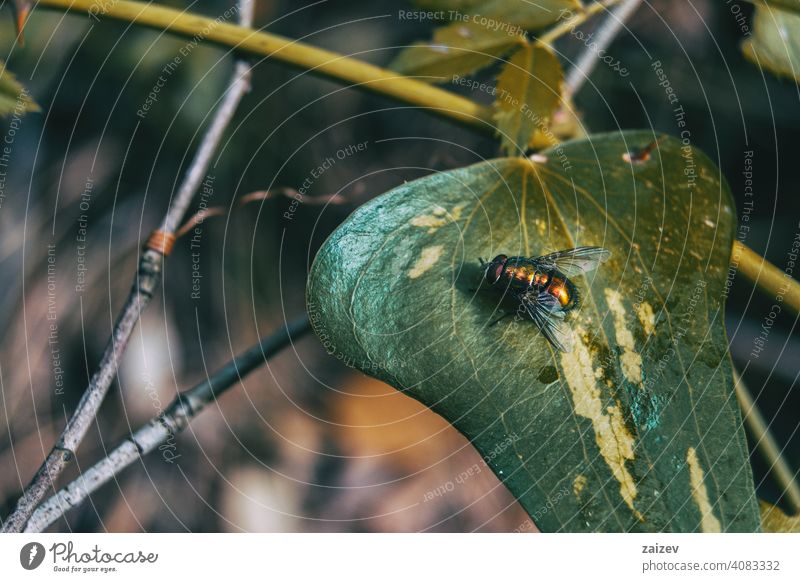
528, 93
790, 5
775, 43
528, 88
457, 49
14, 97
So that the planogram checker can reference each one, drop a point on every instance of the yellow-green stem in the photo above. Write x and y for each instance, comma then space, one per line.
768, 278
315, 60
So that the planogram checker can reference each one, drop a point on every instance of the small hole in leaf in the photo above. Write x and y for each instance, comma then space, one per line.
642, 155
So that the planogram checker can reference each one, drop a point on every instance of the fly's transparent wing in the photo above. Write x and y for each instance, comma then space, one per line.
575, 261
546, 313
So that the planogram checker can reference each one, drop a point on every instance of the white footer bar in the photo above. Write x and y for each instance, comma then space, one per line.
400, 557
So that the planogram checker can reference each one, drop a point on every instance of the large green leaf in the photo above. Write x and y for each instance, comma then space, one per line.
775, 43
528, 93
14, 98
637, 428
458, 49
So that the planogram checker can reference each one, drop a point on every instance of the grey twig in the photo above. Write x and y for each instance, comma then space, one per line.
239, 85
147, 278
601, 40
164, 426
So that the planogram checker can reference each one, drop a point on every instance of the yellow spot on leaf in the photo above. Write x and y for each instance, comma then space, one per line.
630, 359
428, 221
646, 317
438, 218
578, 485
708, 521
426, 260
616, 444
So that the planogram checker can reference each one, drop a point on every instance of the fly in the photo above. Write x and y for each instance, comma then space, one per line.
542, 287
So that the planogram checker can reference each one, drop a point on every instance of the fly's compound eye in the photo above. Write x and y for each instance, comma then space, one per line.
495, 269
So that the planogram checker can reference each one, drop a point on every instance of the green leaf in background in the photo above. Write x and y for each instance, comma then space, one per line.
526, 14
14, 98
773, 520
458, 49
636, 429
775, 43
791, 5
528, 93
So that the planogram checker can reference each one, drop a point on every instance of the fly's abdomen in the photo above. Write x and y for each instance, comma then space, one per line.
563, 289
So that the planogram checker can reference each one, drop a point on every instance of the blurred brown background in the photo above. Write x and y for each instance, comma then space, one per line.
305, 444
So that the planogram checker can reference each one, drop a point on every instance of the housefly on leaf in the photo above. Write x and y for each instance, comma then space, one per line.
542, 288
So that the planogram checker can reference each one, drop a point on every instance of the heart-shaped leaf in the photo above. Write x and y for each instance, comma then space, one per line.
636, 429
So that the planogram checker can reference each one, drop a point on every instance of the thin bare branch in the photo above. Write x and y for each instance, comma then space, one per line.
605, 35
239, 85
164, 426
766, 443
147, 278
